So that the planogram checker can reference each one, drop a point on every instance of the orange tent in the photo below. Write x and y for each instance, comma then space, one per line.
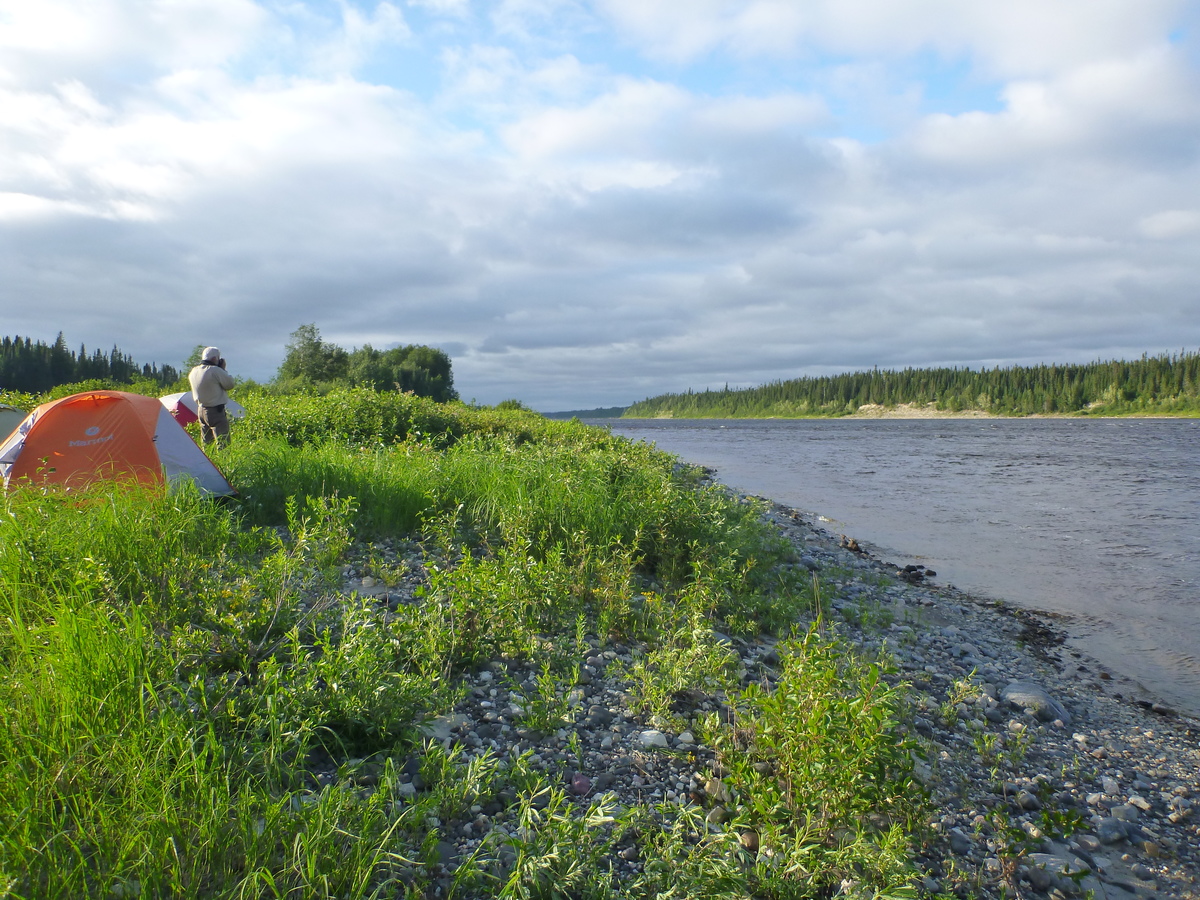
106, 435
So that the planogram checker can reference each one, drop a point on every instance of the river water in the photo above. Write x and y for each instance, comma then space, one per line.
1096, 520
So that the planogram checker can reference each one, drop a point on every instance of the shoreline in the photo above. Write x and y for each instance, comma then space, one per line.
1111, 672
1125, 764
913, 411
1006, 771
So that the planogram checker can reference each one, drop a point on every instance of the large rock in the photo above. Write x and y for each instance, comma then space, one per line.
1026, 695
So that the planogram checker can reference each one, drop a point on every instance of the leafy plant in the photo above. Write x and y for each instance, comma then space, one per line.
827, 781
547, 708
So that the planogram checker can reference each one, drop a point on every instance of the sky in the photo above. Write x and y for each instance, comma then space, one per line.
589, 203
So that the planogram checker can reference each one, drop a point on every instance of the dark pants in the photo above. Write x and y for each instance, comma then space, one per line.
214, 425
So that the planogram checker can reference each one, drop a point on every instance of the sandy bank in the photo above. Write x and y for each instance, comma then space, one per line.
913, 411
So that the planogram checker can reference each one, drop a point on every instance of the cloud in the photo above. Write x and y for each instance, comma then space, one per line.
456, 8
1140, 106
592, 203
1006, 38
1170, 224
495, 82
361, 35
52, 40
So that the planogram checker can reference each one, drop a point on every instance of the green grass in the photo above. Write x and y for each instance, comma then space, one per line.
174, 671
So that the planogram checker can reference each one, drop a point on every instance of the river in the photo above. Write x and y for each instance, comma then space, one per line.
1095, 520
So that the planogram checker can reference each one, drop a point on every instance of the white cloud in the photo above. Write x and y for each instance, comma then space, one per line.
144, 159
360, 37
621, 122
1007, 38
496, 81
51, 40
1139, 105
584, 225
15, 205
762, 116
456, 8
1170, 224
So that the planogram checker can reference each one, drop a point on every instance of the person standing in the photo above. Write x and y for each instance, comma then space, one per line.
210, 384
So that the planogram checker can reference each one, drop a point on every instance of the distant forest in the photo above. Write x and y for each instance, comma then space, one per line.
34, 367
1168, 384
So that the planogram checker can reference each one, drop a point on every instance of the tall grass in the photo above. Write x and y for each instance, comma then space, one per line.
174, 671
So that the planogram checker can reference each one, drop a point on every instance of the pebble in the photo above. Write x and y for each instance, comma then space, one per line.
1109, 831
1028, 800
1126, 812
718, 815
653, 738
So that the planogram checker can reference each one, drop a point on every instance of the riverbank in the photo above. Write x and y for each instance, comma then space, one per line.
439, 652
1006, 764
915, 411
1072, 782
931, 411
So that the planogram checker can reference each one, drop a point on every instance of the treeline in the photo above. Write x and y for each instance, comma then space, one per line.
34, 366
311, 365
1168, 384
314, 364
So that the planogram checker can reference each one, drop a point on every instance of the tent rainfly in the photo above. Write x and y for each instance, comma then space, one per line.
103, 435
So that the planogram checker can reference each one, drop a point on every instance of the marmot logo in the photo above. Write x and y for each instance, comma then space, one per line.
107, 437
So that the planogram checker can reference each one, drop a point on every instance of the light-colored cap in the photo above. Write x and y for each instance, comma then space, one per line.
211, 354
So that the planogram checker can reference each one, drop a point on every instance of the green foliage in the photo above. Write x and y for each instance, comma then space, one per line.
558, 850
821, 775
125, 547
311, 360
104, 780
350, 416
827, 735
1164, 384
312, 363
548, 706
689, 657
424, 371
1014, 842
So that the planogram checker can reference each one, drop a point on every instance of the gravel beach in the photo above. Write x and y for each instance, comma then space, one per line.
1049, 776
1068, 738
